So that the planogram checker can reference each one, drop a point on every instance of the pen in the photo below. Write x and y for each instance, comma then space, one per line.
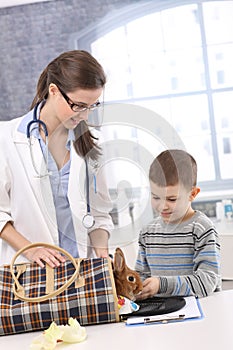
163, 320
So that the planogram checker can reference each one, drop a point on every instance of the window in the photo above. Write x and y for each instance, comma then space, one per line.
175, 58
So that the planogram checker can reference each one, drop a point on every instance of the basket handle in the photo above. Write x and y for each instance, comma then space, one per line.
75, 262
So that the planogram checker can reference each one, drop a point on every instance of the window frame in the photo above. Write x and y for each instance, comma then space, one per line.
83, 40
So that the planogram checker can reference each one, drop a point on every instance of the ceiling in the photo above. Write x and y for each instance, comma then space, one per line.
8, 3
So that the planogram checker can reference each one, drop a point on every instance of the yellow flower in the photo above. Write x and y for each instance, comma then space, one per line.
71, 333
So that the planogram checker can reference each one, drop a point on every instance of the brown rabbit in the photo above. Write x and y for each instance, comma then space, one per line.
128, 282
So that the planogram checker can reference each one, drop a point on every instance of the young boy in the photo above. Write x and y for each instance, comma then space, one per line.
179, 250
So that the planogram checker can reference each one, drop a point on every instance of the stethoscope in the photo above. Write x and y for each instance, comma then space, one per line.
88, 220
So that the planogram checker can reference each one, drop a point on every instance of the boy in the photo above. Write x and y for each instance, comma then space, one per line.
179, 250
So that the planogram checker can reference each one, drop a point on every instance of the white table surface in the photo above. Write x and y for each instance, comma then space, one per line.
213, 332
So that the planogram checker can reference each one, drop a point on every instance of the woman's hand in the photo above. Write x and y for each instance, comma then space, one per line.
41, 255
150, 288
18, 241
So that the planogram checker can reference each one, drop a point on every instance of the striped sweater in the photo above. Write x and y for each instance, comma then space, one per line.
185, 256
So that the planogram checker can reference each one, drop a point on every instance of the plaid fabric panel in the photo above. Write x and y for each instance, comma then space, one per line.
93, 303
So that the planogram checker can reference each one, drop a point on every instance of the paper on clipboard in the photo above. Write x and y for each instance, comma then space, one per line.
191, 310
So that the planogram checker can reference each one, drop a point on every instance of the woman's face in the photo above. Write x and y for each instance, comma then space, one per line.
83, 98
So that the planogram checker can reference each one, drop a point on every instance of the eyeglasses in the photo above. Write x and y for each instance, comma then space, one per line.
79, 107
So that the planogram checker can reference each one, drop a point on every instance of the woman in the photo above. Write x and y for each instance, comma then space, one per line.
43, 182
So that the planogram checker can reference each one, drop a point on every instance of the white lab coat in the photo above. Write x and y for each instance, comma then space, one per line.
27, 200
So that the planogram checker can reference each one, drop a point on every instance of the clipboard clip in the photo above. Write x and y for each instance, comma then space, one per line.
167, 319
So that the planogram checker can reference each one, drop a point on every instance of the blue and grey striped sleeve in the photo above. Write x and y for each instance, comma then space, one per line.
186, 260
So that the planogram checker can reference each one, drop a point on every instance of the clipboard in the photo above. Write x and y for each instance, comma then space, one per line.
191, 311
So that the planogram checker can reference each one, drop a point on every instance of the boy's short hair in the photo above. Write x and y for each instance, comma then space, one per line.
172, 167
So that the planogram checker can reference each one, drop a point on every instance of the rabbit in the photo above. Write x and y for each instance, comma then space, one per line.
128, 282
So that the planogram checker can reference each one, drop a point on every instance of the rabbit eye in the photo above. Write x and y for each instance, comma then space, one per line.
131, 278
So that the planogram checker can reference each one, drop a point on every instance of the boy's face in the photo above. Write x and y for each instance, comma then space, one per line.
172, 203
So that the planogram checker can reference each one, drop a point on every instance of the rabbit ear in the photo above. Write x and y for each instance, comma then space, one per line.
119, 260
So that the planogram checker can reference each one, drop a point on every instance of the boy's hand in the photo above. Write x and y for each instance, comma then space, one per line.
150, 288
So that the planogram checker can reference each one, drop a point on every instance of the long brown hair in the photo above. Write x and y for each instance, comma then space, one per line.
72, 70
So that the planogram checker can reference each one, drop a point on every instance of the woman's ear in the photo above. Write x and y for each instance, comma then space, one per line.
53, 89
194, 193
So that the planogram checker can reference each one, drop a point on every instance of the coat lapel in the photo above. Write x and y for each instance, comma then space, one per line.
77, 198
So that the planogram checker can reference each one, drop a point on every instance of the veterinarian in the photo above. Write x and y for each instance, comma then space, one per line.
52, 185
